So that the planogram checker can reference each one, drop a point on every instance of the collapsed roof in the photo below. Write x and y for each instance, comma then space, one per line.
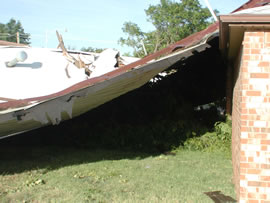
17, 116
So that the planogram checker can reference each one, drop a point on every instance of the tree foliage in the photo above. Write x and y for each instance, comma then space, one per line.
172, 21
135, 38
9, 31
91, 49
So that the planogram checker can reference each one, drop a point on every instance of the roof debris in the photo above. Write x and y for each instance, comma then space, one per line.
77, 62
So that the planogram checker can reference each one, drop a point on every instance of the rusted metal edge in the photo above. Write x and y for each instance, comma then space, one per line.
252, 4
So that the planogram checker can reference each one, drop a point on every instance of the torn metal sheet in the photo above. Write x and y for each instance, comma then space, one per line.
44, 111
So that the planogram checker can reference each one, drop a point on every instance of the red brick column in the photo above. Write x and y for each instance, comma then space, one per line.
251, 119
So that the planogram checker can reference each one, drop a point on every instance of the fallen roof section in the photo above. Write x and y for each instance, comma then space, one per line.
192, 40
37, 112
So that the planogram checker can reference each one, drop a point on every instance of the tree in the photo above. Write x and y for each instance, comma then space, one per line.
91, 49
3, 32
173, 21
9, 31
135, 39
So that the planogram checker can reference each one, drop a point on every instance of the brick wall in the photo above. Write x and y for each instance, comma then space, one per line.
236, 125
251, 119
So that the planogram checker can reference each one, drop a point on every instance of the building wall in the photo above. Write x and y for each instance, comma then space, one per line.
251, 119
236, 124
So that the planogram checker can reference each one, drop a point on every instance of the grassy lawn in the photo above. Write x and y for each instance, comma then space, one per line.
79, 175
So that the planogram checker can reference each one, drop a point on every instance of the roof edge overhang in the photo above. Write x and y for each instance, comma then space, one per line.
12, 44
232, 29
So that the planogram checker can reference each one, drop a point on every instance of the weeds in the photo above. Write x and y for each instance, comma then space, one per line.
218, 140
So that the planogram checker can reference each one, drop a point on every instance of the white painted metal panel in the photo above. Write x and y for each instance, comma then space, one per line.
14, 121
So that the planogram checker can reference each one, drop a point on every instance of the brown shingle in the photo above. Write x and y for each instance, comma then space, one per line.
6, 43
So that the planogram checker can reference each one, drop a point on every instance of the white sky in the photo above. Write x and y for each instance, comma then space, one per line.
86, 23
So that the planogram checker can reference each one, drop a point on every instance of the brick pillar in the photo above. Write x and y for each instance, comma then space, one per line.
251, 119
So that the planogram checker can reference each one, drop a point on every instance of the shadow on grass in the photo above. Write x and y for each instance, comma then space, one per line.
218, 197
18, 157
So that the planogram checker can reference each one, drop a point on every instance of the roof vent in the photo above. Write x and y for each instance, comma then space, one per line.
20, 57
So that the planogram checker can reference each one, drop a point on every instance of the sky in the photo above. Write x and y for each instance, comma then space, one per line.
84, 23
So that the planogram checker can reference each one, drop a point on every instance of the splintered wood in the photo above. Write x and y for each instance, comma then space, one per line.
77, 62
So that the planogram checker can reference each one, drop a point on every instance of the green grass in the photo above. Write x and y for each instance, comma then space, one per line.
79, 175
